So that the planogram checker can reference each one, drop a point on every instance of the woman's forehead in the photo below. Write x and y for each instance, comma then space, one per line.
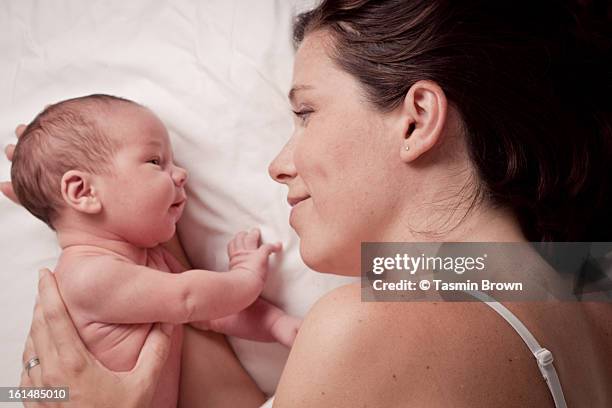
312, 59
313, 68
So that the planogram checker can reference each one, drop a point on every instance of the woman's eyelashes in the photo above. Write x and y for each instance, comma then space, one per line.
303, 114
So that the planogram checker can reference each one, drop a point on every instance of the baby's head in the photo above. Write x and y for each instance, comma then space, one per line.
103, 164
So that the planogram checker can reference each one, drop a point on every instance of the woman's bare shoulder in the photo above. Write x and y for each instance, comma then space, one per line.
352, 353
343, 311
352, 345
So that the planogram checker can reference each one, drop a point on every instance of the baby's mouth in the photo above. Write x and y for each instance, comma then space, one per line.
178, 204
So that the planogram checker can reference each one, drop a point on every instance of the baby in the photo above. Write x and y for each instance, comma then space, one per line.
99, 170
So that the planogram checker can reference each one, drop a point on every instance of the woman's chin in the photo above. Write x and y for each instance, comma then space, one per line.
324, 260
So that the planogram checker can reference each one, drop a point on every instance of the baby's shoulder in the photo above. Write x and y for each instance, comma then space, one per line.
83, 258
81, 269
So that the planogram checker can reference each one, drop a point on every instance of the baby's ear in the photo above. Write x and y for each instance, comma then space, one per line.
79, 193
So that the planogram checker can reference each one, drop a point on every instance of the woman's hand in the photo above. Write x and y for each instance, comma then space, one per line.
6, 186
65, 361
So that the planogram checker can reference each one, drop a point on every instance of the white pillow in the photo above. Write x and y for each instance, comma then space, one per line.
217, 73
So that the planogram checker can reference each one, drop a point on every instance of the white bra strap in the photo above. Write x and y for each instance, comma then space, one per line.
543, 356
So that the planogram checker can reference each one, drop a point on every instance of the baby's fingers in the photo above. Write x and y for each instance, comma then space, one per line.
231, 248
236, 244
268, 249
240, 240
251, 240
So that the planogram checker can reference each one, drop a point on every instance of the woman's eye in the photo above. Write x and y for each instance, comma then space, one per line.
303, 115
155, 161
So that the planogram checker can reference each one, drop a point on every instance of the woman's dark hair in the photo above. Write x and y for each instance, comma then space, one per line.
532, 85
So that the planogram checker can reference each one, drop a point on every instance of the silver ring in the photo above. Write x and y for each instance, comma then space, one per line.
33, 362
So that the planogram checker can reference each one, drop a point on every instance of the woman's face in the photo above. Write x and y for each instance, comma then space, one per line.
341, 164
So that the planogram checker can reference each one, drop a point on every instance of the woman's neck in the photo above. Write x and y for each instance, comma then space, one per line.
480, 224
489, 225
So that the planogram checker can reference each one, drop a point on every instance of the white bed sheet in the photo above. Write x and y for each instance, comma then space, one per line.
217, 73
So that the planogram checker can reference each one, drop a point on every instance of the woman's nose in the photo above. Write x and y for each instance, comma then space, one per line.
179, 175
282, 168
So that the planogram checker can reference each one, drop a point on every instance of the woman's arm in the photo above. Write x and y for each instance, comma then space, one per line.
211, 375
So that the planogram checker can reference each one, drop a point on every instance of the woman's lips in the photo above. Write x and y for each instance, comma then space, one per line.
295, 204
293, 201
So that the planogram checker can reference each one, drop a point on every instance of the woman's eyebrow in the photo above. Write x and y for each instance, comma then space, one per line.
297, 88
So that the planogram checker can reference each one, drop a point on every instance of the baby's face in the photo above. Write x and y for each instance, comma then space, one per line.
144, 197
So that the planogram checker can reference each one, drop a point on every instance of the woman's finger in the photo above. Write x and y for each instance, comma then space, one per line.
31, 377
28, 353
6, 187
26, 382
19, 129
153, 355
9, 151
42, 344
35, 376
28, 350
58, 324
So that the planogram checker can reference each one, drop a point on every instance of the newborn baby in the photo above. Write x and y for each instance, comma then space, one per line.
99, 170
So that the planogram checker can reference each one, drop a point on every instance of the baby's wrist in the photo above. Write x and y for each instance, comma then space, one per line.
251, 275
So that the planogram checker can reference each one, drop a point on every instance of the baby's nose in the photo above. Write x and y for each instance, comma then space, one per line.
179, 175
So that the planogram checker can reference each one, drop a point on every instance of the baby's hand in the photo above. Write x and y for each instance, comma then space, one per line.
262, 321
245, 252
285, 329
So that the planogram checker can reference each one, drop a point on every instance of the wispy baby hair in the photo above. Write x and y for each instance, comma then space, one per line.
65, 136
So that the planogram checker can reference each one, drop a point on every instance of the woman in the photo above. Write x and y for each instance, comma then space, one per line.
415, 121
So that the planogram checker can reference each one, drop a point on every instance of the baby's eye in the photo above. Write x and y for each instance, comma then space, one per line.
156, 161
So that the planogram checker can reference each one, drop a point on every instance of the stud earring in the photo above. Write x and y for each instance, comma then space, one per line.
406, 147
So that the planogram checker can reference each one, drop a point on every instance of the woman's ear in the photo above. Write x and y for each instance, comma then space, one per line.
422, 119
79, 193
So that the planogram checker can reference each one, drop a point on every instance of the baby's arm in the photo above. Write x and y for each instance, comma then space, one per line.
112, 291
262, 321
